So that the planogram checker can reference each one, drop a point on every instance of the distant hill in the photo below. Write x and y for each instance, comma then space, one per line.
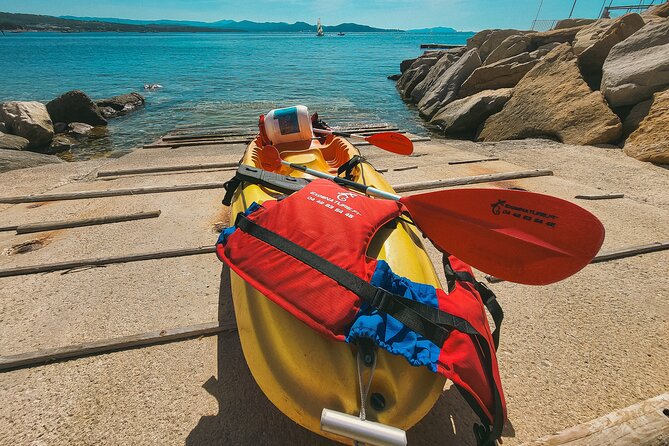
32, 22
435, 30
244, 25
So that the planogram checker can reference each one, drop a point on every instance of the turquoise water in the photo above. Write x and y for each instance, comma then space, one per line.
214, 79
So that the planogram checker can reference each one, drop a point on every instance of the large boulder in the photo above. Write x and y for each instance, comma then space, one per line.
635, 116
13, 142
446, 88
3, 127
543, 50
405, 64
511, 46
13, 159
503, 74
435, 73
553, 100
571, 23
566, 35
661, 10
593, 43
492, 41
650, 142
120, 105
638, 66
29, 120
75, 106
415, 74
466, 115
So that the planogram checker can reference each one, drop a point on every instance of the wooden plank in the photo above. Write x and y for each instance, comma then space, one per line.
198, 143
642, 423
400, 169
243, 141
109, 193
207, 135
111, 345
121, 172
475, 160
101, 261
182, 139
8, 228
63, 224
612, 255
491, 177
600, 197
441, 46
629, 252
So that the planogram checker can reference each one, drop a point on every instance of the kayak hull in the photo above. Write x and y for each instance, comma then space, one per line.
299, 370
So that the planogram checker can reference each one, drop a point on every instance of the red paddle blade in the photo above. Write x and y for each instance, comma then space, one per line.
392, 142
270, 159
518, 236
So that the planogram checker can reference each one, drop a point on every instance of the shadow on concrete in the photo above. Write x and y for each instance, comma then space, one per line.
246, 416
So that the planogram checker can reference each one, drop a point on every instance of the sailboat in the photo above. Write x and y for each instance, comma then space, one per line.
319, 29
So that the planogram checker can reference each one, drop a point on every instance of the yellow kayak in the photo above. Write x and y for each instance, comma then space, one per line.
299, 370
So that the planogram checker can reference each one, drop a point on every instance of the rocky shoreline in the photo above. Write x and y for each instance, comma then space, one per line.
586, 82
55, 127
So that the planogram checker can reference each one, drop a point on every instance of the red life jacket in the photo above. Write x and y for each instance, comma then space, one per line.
307, 253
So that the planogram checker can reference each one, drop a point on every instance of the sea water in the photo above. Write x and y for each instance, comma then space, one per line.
223, 80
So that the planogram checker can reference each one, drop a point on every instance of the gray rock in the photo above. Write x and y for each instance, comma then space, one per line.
553, 100
503, 74
566, 35
511, 46
635, 116
394, 77
466, 115
661, 10
61, 143
571, 23
446, 88
593, 43
638, 66
406, 64
414, 75
3, 128
13, 160
60, 127
543, 50
495, 39
79, 128
13, 142
120, 105
435, 73
75, 106
29, 120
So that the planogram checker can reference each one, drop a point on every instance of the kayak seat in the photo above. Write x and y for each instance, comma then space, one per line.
326, 157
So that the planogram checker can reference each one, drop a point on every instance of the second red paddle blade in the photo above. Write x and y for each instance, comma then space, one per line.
392, 142
518, 236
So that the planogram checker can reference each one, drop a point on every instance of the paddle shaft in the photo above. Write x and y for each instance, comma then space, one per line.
343, 181
344, 134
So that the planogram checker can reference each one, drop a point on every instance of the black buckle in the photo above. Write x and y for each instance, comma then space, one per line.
381, 300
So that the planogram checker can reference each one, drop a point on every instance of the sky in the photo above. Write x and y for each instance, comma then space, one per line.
463, 15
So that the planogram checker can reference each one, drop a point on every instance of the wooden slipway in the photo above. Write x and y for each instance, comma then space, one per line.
107, 328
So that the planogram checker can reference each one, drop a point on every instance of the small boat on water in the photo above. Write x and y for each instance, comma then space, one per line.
319, 29
341, 34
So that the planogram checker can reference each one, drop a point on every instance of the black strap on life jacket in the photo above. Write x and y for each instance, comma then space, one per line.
487, 296
428, 321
